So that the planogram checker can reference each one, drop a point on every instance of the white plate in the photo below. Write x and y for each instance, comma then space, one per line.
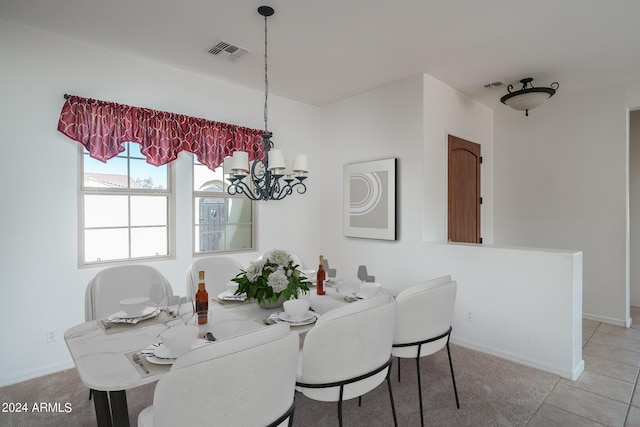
228, 296
308, 318
163, 352
146, 313
159, 354
357, 295
149, 353
158, 361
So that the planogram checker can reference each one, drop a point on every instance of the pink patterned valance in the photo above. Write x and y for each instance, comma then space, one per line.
102, 127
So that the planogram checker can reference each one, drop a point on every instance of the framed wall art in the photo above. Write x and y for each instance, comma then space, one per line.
369, 200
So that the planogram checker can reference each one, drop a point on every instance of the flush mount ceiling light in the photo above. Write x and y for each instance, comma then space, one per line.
268, 178
528, 97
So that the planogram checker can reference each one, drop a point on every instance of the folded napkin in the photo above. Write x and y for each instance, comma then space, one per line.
231, 301
120, 317
240, 298
150, 351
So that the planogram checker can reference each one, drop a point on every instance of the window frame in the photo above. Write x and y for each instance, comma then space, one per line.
195, 194
129, 192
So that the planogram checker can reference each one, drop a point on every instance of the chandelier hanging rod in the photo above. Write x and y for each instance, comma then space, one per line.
264, 182
266, 11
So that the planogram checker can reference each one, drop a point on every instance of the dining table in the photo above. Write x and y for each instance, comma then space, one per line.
105, 352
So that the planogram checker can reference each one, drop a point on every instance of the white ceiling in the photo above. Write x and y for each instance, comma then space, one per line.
326, 50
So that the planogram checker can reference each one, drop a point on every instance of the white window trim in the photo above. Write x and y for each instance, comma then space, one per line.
171, 216
254, 221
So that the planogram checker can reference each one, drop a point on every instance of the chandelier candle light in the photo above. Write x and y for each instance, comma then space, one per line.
266, 175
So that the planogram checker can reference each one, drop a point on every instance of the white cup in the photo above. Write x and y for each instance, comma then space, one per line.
296, 308
369, 289
179, 339
135, 306
232, 287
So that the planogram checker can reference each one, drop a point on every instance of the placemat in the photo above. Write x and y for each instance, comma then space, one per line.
153, 368
115, 327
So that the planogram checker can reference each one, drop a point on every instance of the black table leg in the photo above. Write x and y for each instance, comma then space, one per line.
103, 412
119, 409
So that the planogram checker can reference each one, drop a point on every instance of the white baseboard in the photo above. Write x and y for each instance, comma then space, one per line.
575, 374
609, 320
35, 373
571, 374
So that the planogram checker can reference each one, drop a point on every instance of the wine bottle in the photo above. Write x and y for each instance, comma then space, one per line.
202, 300
320, 277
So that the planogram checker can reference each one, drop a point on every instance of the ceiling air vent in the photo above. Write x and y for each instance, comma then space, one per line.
495, 85
227, 51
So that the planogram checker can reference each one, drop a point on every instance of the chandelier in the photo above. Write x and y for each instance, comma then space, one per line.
268, 178
528, 97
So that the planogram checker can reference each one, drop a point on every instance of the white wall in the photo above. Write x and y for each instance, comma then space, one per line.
41, 286
448, 112
634, 206
561, 182
408, 120
525, 303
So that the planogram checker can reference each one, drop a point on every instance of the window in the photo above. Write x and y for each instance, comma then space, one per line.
125, 208
222, 223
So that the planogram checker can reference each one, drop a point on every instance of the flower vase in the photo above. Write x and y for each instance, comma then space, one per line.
272, 304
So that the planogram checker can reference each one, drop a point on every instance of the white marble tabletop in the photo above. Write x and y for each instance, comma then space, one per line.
101, 358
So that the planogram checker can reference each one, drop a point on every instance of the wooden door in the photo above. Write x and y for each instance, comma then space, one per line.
464, 191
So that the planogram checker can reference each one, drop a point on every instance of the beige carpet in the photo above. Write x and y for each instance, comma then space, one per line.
492, 392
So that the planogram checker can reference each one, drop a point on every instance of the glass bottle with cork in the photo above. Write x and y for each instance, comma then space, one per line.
202, 300
320, 277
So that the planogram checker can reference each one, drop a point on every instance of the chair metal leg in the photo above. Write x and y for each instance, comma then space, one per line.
286, 416
419, 390
453, 378
398, 368
393, 406
340, 406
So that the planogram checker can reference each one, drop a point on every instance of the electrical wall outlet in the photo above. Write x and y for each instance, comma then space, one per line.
469, 316
51, 335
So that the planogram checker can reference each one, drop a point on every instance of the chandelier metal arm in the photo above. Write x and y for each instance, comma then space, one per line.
266, 184
266, 191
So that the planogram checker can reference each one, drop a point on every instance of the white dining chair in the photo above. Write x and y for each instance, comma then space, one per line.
348, 352
296, 259
113, 284
218, 270
109, 286
423, 326
247, 380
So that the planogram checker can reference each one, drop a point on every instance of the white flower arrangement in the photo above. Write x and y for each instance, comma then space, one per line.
268, 279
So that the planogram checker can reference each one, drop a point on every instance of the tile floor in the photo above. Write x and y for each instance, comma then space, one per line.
608, 392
